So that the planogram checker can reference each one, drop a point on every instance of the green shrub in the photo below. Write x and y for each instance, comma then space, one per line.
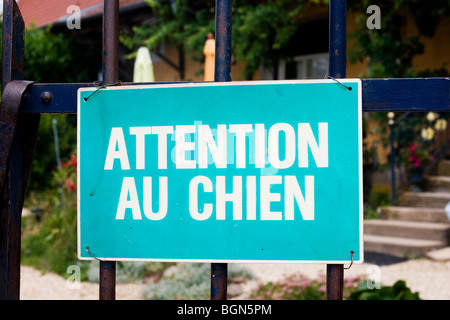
300, 287
398, 291
51, 243
44, 161
190, 281
380, 195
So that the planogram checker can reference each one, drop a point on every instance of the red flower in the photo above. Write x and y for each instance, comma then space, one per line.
418, 157
417, 163
70, 185
71, 163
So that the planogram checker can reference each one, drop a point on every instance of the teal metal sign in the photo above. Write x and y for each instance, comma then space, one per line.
221, 172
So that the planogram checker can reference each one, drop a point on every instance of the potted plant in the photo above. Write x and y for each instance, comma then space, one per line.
417, 159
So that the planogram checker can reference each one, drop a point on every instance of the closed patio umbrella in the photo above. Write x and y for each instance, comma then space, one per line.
209, 51
143, 66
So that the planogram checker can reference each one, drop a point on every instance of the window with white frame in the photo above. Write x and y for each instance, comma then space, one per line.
312, 66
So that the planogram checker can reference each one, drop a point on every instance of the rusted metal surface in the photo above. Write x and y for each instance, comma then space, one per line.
46, 97
219, 278
111, 42
335, 281
110, 77
9, 113
222, 72
222, 68
12, 43
337, 69
338, 38
18, 139
13, 195
16, 148
107, 280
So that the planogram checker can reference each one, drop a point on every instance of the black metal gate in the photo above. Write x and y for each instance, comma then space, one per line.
23, 101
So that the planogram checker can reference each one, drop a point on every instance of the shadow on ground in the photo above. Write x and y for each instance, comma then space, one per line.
381, 259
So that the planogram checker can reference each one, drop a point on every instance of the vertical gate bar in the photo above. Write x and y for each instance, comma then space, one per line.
338, 38
13, 47
14, 190
12, 59
20, 157
392, 160
222, 72
222, 68
335, 281
107, 282
110, 42
110, 76
219, 279
337, 69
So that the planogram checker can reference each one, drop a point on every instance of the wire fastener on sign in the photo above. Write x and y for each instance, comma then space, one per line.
99, 84
351, 262
92, 255
330, 77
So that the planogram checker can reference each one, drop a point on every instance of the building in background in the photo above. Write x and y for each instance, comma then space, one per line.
307, 51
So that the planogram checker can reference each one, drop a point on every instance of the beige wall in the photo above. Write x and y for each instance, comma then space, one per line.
164, 72
437, 49
193, 69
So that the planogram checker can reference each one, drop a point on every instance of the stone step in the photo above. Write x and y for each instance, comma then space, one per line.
409, 229
413, 214
400, 247
443, 168
438, 183
442, 254
424, 199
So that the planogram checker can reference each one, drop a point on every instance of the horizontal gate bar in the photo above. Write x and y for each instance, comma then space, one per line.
408, 94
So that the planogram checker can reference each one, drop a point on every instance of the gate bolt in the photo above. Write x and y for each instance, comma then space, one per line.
46, 97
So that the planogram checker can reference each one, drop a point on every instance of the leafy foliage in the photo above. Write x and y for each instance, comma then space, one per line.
390, 50
398, 291
261, 32
379, 195
261, 29
189, 281
300, 287
50, 243
45, 162
175, 23
52, 57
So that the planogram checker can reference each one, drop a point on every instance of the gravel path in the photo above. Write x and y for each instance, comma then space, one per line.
430, 279
35, 285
